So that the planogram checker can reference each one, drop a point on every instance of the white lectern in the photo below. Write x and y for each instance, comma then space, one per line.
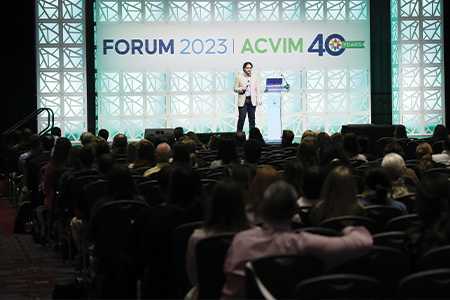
274, 88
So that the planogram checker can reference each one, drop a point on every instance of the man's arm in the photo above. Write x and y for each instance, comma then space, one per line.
333, 251
237, 86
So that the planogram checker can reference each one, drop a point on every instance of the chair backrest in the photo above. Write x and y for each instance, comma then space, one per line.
339, 286
382, 214
431, 284
339, 223
210, 255
180, 238
139, 178
436, 258
78, 187
393, 239
409, 200
214, 175
114, 220
318, 230
208, 185
411, 149
386, 264
151, 193
95, 191
382, 143
403, 223
140, 171
277, 164
280, 273
437, 147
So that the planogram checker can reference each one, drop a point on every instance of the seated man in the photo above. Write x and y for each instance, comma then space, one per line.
252, 152
275, 238
162, 156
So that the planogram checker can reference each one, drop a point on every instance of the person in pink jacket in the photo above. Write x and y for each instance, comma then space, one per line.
275, 237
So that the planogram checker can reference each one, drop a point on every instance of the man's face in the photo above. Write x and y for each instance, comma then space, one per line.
248, 69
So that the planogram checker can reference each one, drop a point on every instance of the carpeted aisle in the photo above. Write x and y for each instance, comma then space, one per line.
27, 270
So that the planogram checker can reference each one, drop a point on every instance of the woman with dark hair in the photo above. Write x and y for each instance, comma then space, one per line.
332, 155
57, 162
378, 189
227, 153
145, 155
308, 153
400, 132
351, 146
432, 200
255, 133
131, 153
224, 213
293, 173
184, 205
265, 177
194, 137
338, 197
439, 134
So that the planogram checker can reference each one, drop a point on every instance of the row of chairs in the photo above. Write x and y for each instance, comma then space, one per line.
409, 146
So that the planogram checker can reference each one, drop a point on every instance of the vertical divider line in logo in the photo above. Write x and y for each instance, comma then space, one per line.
233, 46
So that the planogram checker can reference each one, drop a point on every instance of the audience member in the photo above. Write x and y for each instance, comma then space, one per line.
439, 134
239, 140
293, 173
313, 181
227, 153
287, 138
308, 133
444, 157
255, 133
252, 152
181, 154
395, 167
264, 177
178, 132
308, 153
337, 137
131, 154
163, 154
224, 213
275, 238
338, 197
119, 146
409, 174
170, 138
214, 141
432, 200
400, 132
378, 190
86, 138
104, 134
194, 137
332, 155
56, 132
184, 205
351, 147
145, 155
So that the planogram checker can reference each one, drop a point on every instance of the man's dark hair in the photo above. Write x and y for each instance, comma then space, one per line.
105, 162
247, 63
280, 201
288, 137
87, 156
56, 131
239, 139
252, 151
35, 141
178, 132
26, 134
120, 141
48, 141
101, 148
104, 134
170, 138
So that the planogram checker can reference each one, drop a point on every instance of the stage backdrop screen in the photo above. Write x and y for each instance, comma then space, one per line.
164, 64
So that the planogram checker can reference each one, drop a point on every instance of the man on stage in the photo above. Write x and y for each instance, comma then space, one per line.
248, 87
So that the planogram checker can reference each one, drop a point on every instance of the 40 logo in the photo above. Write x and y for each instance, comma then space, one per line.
333, 45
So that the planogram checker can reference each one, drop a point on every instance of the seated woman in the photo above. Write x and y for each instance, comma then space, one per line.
265, 177
224, 213
338, 197
227, 153
378, 187
394, 164
145, 155
424, 154
432, 199
351, 146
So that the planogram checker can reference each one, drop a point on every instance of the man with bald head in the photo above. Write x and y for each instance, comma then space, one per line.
162, 155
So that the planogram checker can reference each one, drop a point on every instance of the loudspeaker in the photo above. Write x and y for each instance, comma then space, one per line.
157, 131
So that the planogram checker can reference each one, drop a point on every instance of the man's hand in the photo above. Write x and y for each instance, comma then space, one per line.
244, 88
260, 103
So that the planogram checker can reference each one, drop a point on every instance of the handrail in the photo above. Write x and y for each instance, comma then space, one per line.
32, 115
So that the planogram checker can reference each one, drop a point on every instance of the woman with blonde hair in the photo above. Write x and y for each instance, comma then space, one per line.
338, 197
424, 153
265, 177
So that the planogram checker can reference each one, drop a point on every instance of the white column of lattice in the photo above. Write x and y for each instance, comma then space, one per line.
61, 64
417, 65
